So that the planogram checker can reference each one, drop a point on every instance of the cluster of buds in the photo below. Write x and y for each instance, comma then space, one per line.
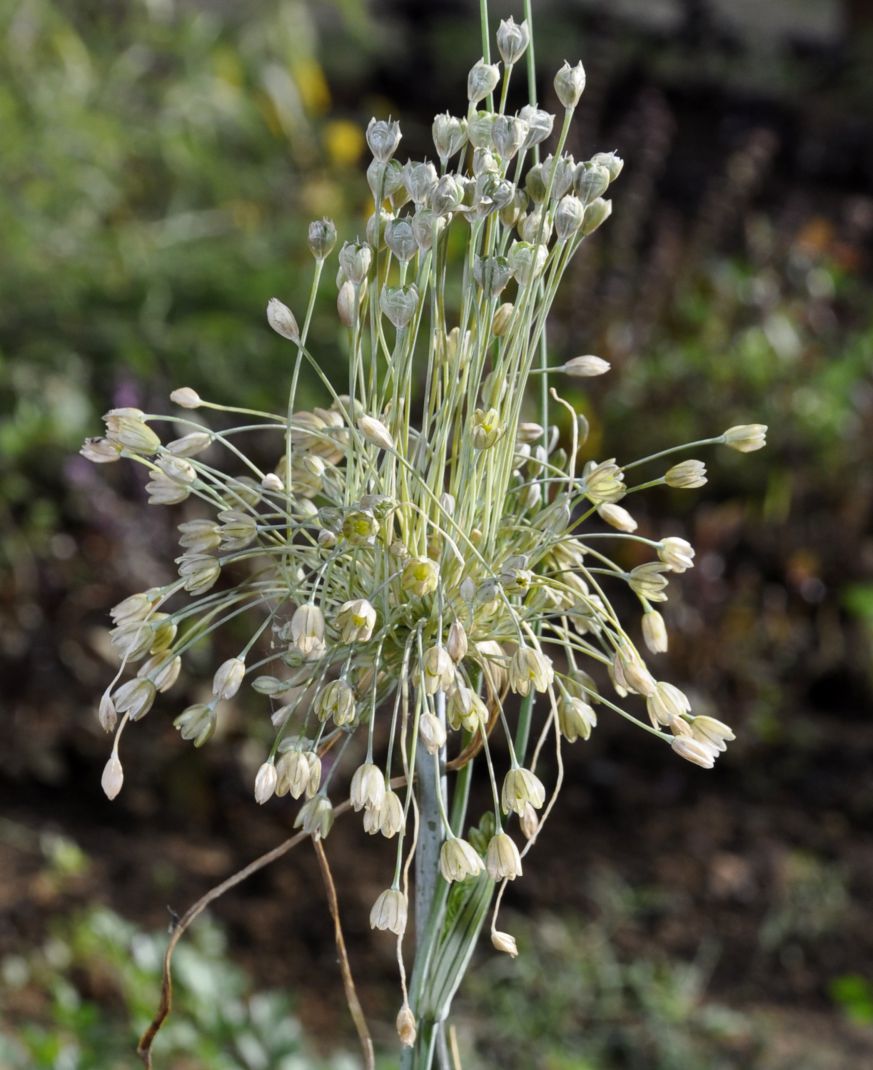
406, 579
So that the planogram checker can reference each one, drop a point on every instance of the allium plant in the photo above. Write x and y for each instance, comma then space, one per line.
428, 576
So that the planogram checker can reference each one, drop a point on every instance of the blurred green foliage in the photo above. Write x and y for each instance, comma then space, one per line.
159, 164
96, 982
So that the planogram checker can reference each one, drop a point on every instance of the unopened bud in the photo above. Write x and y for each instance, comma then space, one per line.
185, 398
596, 213
383, 138
504, 942
282, 320
569, 84
482, 80
406, 1026
322, 238
586, 367
113, 776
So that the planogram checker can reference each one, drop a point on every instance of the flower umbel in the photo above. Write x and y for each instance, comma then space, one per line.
408, 559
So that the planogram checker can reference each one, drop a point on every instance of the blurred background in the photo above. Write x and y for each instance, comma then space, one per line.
160, 161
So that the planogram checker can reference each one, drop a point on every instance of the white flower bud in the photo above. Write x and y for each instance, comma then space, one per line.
347, 304
106, 713
569, 84
282, 320
228, 678
438, 669
746, 437
190, 445
272, 483
456, 642
616, 516
376, 432
112, 777
586, 367
162, 669
502, 859
199, 535
383, 138
655, 632
265, 783
199, 572
648, 581
482, 80
687, 475
186, 398
432, 732
390, 814
449, 136
504, 942
322, 238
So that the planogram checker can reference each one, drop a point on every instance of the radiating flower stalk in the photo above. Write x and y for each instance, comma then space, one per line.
408, 564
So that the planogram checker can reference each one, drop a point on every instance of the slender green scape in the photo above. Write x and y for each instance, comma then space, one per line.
407, 570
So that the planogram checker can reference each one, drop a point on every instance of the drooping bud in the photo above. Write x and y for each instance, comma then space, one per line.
228, 678
356, 621
432, 732
112, 777
135, 698
405, 1026
281, 319
666, 704
106, 713
655, 632
504, 942
389, 912
530, 667
265, 783
692, 750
